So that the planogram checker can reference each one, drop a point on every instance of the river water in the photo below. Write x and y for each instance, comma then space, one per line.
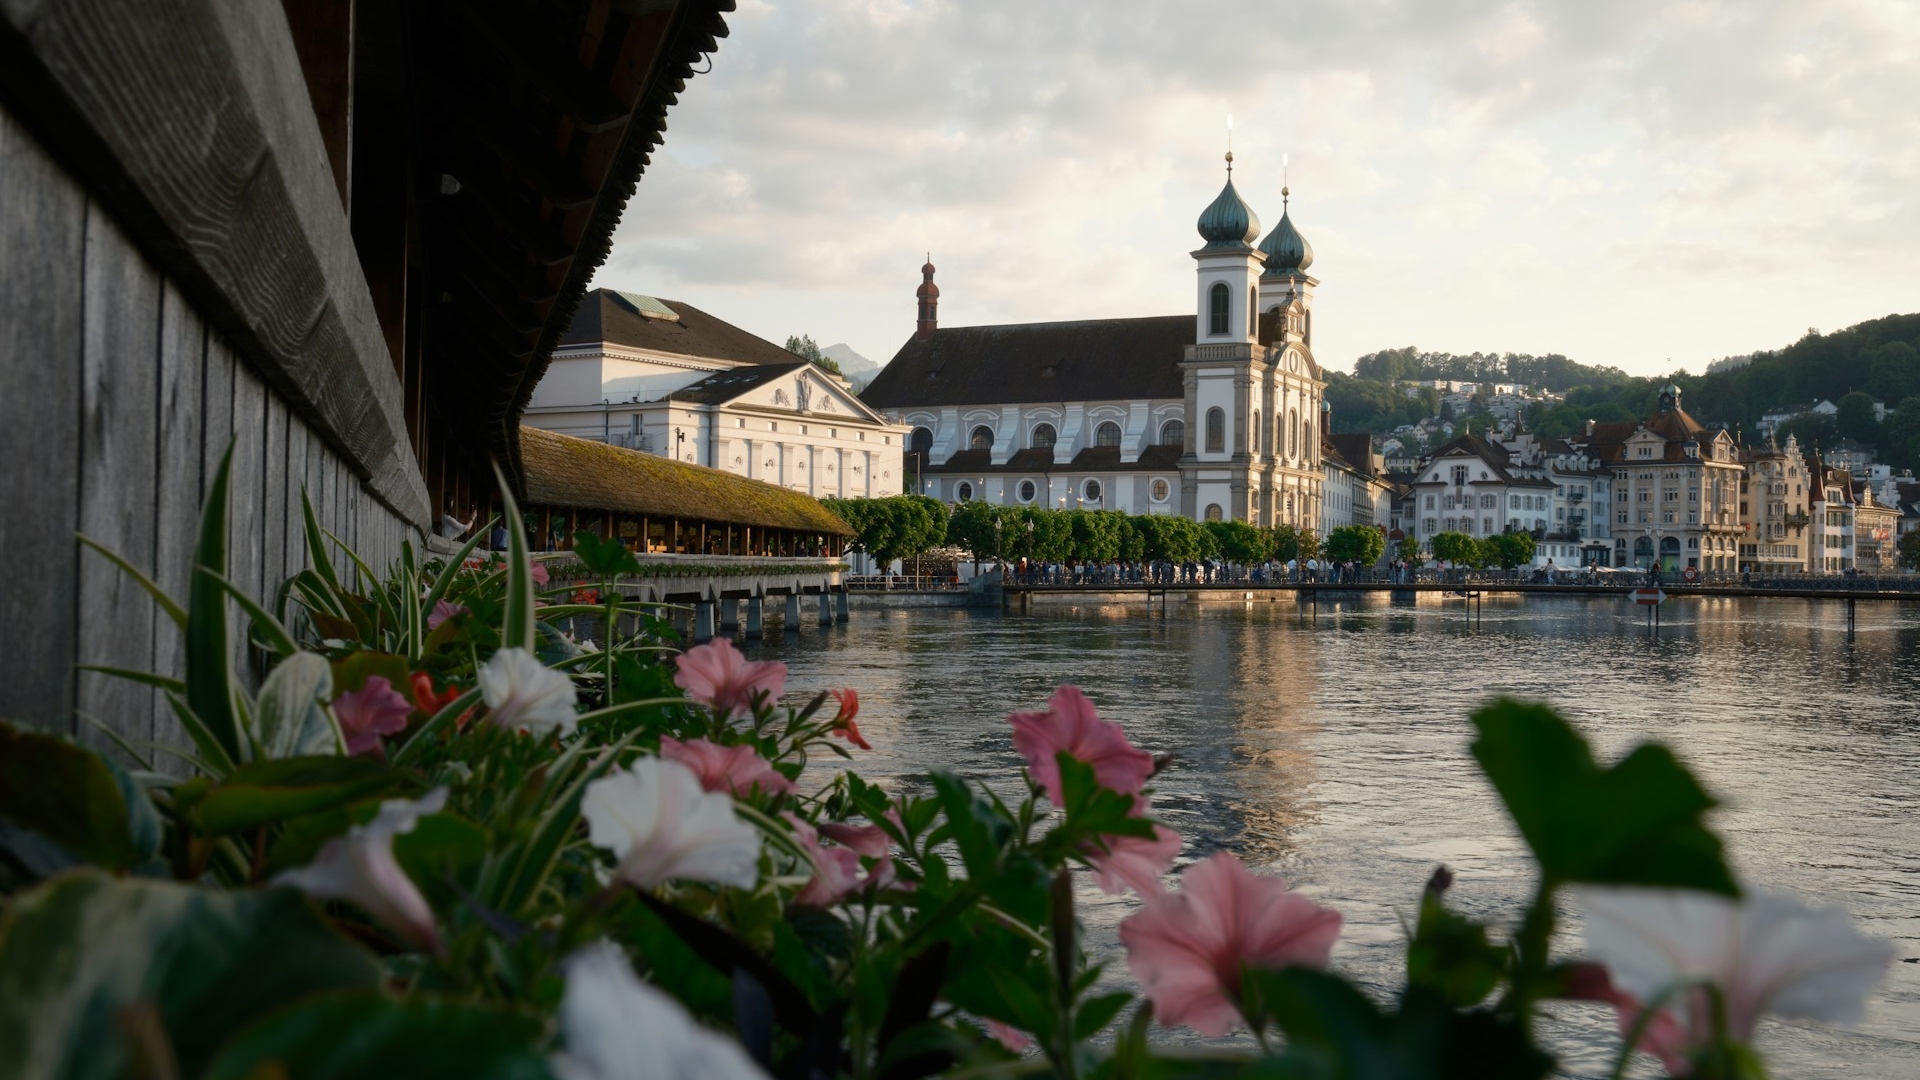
1330, 748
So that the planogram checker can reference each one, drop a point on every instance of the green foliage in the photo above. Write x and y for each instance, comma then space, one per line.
1363, 544
351, 1035
1639, 822
1508, 549
804, 347
1456, 548
1239, 542
68, 795
1910, 550
1409, 550
184, 970
896, 527
1855, 420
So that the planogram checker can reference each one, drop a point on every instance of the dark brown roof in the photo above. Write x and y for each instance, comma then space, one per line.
1356, 449
564, 471
1042, 459
611, 316
726, 385
1091, 360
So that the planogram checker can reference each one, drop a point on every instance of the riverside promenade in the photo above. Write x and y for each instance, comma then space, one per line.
1018, 596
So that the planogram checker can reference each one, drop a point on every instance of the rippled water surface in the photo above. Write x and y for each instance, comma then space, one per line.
1331, 748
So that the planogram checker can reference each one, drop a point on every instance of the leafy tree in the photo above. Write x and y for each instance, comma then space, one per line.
897, 527
1855, 420
804, 347
1410, 550
1096, 535
1454, 547
1509, 549
1895, 372
1284, 541
976, 526
1309, 545
1356, 543
1239, 542
1910, 550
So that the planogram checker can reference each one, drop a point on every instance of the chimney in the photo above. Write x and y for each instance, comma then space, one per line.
1589, 427
929, 296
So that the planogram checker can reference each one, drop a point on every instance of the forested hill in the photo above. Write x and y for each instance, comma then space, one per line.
1878, 360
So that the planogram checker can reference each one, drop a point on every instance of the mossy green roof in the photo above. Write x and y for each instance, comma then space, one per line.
580, 473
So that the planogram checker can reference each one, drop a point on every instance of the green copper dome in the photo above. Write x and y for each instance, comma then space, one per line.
1229, 222
1286, 250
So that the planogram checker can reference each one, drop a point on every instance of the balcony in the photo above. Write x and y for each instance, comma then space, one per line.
1797, 520
1577, 497
1233, 350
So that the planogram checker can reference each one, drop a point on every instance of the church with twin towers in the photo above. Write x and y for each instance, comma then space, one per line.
1214, 414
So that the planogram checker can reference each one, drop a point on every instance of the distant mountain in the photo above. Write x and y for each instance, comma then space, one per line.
858, 369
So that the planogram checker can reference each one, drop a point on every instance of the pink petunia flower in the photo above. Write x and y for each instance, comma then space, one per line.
1187, 948
374, 710
843, 725
1007, 1035
836, 870
1134, 862
718, 675
737, 770
1070, 724
442, 611
537, 570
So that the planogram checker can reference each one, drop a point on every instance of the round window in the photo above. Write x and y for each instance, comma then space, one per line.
964, 491
1160, 490
1092, 491
1026, 491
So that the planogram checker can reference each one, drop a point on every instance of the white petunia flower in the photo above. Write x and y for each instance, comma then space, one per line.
1767, 953
360, 867
662, 827
616, 1027
521, 692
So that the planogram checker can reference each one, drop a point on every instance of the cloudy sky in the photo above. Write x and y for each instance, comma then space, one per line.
1646, 183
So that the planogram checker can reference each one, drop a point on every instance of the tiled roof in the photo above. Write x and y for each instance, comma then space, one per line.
607, 315
723, 386
564, 471
1092, 360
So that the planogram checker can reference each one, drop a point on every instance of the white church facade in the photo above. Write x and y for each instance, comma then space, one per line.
665, 377
1214, 415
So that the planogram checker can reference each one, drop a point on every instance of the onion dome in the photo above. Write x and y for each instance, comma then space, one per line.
1229, 222
1286, 250
927, 288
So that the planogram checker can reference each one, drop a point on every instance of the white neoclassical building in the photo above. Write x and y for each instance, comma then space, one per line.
665, 377
1213, 414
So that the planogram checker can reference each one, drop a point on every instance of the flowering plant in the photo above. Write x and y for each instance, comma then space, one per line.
483, 849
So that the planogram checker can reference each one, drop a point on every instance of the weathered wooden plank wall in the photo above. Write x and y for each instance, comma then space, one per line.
116, 404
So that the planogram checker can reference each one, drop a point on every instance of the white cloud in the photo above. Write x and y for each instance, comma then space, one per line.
1626, 183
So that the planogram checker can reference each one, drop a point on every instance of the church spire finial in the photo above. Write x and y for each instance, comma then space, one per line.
1285, 192
1229, 146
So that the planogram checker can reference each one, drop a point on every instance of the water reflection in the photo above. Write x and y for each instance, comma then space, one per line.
1330, 747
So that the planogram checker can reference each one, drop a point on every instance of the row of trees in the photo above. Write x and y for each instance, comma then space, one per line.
904, 526
1506, 550
1549, 372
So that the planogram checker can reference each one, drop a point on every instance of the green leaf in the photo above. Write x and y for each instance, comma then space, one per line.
441, 848
266, 792
210, 679
167, 603
77, 952
291, 715
1637, 823
607, 558
977, 830
67, 794
516, 631
1096, 1013
347, 1036
1451, 956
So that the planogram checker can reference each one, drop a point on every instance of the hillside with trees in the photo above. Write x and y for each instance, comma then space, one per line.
1877, 360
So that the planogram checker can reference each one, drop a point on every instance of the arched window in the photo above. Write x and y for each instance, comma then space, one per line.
1307, 442
1253, 311
1043, 436
1213, 511
1159, 490
1092, 491
982, 438
1026, 491
1293, 433
1258, 434
1107, 434
964, 492
920, 441
1173, 433
1216, 431
1217, 308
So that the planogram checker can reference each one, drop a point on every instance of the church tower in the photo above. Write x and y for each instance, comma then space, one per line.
928, 295
1223, 420
1287, 255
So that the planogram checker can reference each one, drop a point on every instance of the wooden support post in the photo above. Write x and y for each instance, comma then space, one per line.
826, 607
841, 613
729, 613
702, 621
754, 629
791, 624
